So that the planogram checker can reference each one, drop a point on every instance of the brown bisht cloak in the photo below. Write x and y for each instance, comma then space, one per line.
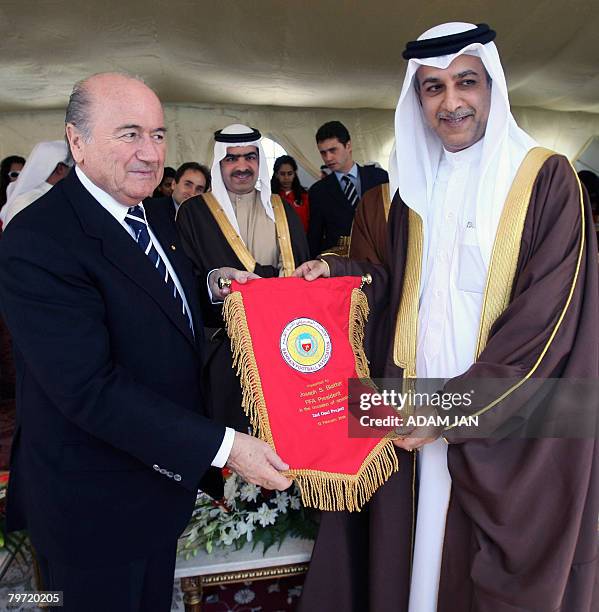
521, 531
361, 561
368, 242
207, 247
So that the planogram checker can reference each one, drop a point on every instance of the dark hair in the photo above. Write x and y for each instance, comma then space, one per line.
275, 183
5, 165
183, 168
333, 129
168, 173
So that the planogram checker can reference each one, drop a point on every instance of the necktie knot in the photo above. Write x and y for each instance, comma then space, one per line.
136, 220
137, 212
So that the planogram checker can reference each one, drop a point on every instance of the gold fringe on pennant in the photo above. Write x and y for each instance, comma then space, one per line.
334, 492
321, 490
358, 315
244, 360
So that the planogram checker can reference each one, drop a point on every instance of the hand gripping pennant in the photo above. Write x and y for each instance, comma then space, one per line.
295, 345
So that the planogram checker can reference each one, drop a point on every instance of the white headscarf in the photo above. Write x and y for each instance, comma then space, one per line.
40, 164
417, 151
219, 191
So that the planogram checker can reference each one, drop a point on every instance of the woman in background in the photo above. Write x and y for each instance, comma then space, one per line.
285, 182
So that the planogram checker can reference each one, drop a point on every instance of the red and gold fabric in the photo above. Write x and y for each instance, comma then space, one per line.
296, 344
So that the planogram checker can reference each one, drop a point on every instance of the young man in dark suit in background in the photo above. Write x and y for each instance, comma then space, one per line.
333, 199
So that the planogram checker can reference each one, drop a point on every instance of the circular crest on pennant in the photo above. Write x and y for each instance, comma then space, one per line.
305, 345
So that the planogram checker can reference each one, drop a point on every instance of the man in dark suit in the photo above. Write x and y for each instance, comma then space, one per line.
333, 199
191, 179
111, 444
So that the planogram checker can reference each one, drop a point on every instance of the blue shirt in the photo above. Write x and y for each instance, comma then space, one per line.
354, 176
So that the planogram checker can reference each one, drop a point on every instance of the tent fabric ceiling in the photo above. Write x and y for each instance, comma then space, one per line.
271, 52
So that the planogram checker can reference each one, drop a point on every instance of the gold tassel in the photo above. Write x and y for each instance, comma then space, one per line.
244, 362
322, 490
334, 492
358, 315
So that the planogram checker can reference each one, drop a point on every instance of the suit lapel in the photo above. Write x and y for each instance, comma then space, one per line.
122, 251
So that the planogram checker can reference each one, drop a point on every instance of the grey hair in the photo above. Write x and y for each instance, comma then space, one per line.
78, 111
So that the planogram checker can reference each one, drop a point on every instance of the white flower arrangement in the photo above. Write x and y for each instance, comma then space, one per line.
246, 514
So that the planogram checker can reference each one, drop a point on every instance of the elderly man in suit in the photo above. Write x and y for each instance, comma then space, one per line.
333, 199
111, 444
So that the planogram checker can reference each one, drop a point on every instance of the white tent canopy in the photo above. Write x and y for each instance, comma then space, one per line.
286, 67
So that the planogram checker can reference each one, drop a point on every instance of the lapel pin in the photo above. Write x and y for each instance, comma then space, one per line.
173, 247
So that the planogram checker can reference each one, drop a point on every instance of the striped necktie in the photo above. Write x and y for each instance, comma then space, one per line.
350, 191
136, 220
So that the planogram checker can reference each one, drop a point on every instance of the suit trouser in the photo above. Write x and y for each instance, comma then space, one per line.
141, 585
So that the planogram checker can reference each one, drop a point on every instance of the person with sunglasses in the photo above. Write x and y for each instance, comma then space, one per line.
10, 167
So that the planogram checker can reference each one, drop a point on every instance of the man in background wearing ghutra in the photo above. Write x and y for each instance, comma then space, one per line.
238, 231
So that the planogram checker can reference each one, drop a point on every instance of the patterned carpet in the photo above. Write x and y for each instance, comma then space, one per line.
262, 596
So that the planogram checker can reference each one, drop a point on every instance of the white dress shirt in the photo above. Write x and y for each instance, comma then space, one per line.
119, 211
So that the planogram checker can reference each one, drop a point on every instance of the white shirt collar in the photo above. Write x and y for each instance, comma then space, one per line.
116, 209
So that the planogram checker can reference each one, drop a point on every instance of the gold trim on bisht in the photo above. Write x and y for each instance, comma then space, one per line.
283, 235
406, 326
506, 248
502, 268
232, 237
538, 157
323, 490
386, 199
237, 244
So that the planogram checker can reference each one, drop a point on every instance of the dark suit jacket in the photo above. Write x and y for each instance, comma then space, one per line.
331, 215
166, 202
111, 444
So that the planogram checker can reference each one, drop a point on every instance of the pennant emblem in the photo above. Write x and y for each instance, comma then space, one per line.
305, 345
